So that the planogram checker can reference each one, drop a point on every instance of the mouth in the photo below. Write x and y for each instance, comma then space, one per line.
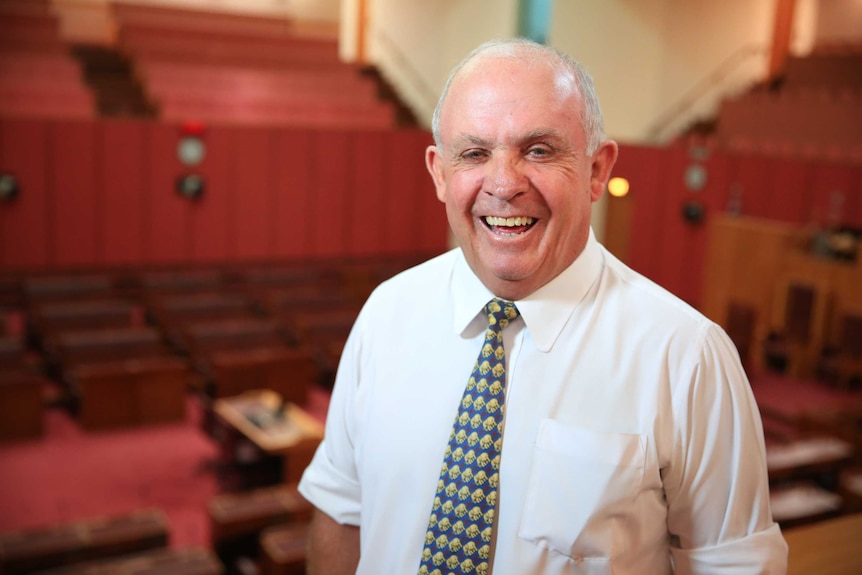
509, 226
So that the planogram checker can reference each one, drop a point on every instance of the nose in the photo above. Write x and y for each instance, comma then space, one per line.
505, 178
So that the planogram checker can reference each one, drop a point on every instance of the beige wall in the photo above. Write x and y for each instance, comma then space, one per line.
839, 21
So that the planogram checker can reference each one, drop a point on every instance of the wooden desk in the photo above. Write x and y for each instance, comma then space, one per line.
44, 548
188, 561
803, 503
808, 457
294, 435
830, 547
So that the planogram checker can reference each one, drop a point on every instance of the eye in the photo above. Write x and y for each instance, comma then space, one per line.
473, 155
539, 151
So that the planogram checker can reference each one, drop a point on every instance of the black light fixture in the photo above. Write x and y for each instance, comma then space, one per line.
190, 186
693, 212
8, 187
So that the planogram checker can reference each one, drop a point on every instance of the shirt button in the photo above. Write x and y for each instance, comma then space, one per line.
578, 559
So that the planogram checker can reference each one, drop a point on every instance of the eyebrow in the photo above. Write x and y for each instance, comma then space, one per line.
540, 134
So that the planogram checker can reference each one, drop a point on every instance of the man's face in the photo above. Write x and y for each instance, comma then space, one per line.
514, 174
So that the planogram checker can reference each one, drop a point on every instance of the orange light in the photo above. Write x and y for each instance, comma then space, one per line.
618, 187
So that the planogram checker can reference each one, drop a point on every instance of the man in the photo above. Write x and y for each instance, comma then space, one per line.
631, 440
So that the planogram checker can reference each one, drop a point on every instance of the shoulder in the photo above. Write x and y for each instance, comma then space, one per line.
652, 302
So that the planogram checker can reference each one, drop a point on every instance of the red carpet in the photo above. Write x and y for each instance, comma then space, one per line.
70, 474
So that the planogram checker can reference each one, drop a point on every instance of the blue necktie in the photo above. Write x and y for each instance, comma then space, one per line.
458, 539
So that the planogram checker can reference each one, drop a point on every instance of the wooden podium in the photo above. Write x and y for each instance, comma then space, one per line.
282, 430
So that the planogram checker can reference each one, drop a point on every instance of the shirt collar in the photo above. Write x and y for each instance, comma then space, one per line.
545, 311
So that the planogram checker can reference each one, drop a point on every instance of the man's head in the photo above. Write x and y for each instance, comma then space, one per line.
519, 157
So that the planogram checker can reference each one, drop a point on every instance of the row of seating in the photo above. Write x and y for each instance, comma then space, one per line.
38, 75
248, 70
125, 348
264, 527
811, 111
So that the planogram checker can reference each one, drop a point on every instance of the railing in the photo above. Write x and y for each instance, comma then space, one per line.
715, 81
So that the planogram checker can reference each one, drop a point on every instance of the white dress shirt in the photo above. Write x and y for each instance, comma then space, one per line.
632, 443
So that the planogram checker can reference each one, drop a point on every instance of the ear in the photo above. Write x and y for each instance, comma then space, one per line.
600, 172
434, 163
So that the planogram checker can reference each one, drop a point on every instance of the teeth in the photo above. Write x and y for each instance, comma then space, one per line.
508, 222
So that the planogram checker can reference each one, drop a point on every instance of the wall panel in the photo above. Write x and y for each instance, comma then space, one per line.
212, 220
25, 232
368, 193
641, 166
433, 225
749, 180
294, 181
251, 192
401, 214
166, 216
330, 202
834, 188
78, 217
790, 202
123, 178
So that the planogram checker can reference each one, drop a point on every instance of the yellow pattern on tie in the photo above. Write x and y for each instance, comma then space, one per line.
458, 539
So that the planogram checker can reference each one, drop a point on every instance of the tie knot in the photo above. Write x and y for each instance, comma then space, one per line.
500, 313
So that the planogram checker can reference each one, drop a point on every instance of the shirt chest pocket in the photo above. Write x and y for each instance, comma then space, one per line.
581, 482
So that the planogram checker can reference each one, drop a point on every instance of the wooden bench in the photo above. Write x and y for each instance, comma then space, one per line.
132, 392
64, 288
286, 371
21, 405
189, 561
204, 338
808, 458
803, 502
238, 519
48, 319
12, 353
26, 551
70, 349
283, 550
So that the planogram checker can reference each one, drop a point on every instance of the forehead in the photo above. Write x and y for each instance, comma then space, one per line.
506, 94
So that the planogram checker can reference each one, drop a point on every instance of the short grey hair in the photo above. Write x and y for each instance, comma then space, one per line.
591, 116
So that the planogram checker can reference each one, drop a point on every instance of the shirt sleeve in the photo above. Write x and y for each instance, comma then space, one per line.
330, 482
717, 485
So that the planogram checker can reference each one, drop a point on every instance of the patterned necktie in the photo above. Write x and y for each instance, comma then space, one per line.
458, 539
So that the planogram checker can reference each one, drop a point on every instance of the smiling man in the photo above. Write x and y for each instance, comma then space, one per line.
606, 426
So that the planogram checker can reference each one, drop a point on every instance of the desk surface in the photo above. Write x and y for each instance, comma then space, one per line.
830, 547
255, 415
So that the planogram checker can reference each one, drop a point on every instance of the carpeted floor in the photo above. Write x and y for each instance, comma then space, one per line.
70, 474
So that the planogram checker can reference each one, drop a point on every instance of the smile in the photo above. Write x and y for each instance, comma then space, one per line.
509, 226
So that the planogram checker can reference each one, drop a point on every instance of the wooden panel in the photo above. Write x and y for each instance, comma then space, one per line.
853, 212
123, 176
675, 231
75, 195
750, 179
25, 232
166, 217
251, 192
330, 202
367, 187
791, 199
433, 226
642, 167
400, 214
831, 185
293, 184
212, 219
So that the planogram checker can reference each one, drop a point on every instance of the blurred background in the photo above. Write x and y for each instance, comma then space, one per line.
196, 196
